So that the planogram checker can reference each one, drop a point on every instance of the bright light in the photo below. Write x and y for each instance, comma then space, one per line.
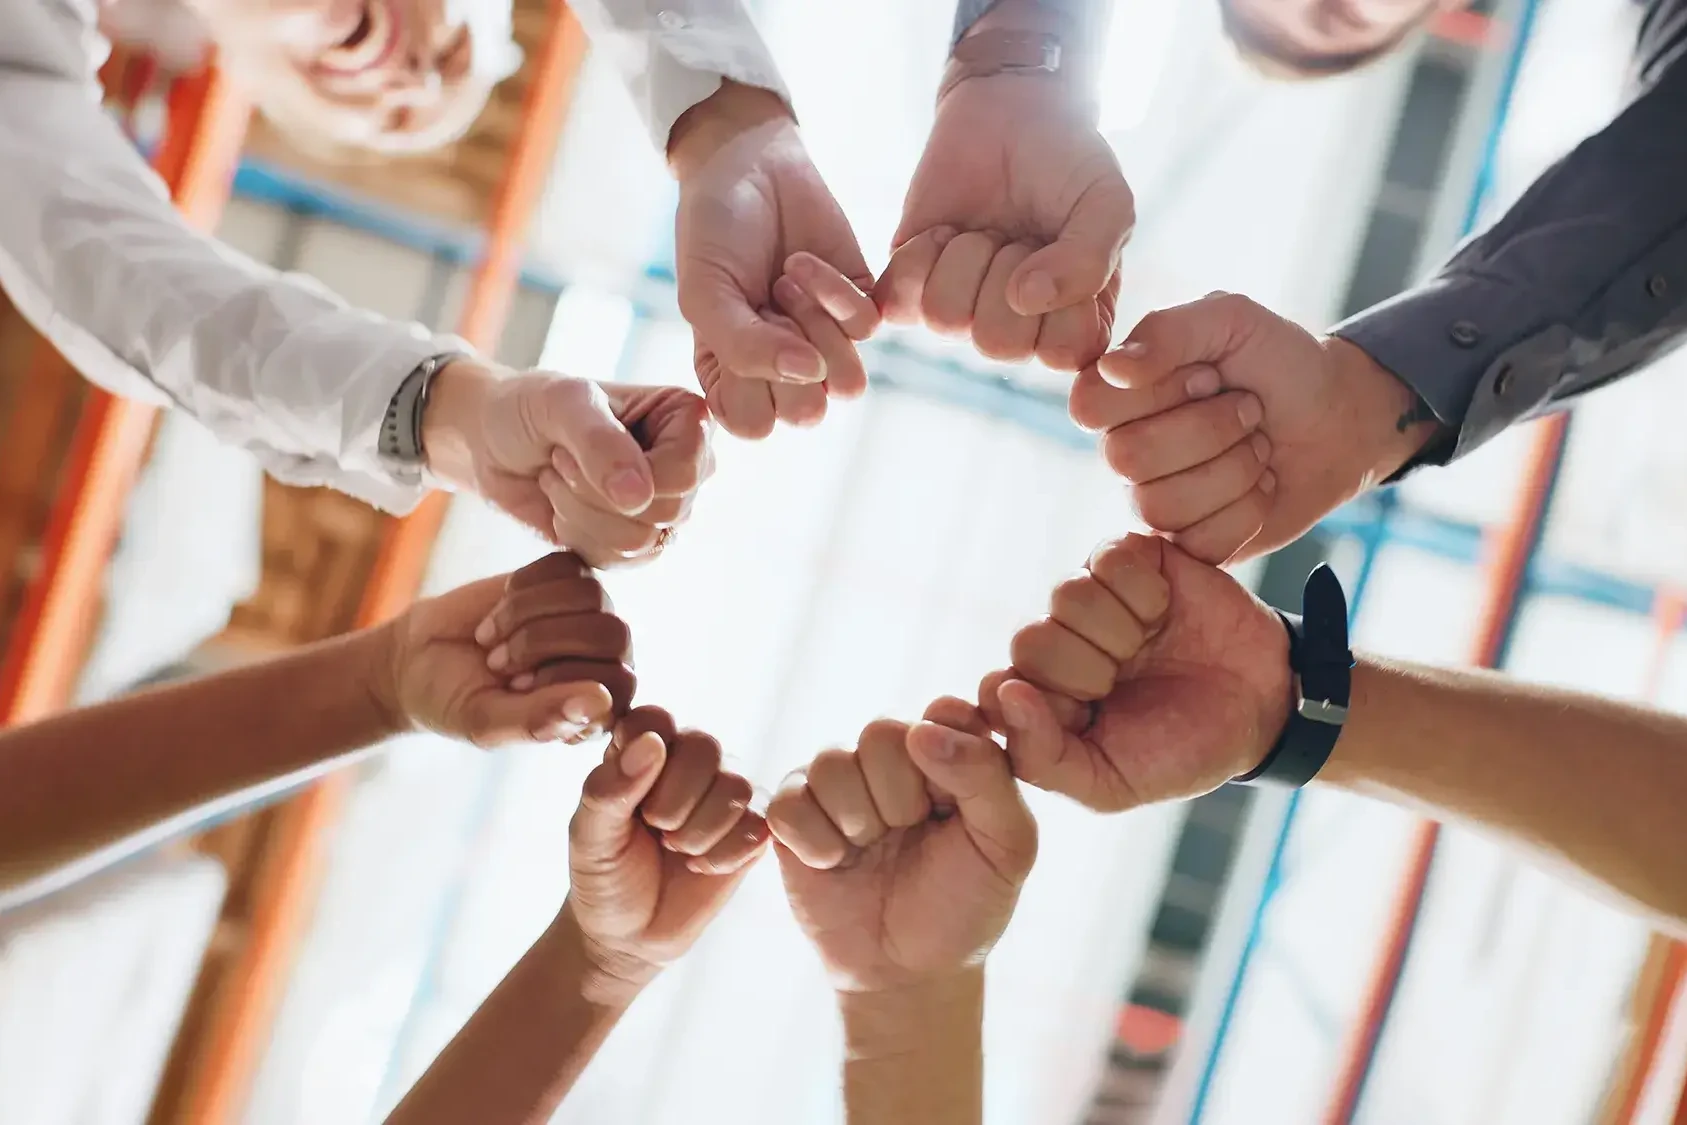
1138, 40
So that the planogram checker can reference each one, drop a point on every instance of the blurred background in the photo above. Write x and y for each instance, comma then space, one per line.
1250, 958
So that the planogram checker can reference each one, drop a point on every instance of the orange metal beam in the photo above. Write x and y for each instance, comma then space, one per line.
38, 673
286, 885
1658, 982
1509, 546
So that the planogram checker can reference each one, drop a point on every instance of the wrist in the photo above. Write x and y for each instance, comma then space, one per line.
1390, 414
451, 423
1074, 77
600, 975
715, 122
376, 652
900, 1021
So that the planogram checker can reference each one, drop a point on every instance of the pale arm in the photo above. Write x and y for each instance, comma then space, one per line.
1592, 783
915, 1056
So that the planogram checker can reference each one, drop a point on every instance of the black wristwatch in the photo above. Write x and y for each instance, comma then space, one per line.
1323, 670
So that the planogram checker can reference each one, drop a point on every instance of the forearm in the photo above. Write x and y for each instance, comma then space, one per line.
916, 1057
97, 259
524, 1048
1592, 782
90, 780
1572, 288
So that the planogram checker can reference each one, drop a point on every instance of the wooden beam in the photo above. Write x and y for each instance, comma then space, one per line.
288, 874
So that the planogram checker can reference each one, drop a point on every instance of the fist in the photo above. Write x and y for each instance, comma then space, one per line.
534, 656
1238, 429
661, 839
903, 857
1153, 677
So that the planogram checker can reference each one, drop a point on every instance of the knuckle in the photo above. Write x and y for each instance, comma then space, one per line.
885, 731
1126, 453
1072, 598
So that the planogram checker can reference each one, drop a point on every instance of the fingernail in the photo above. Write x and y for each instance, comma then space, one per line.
1037, 290
1262, 447
946, 745
638, 757
626, 489
578, 710
523, 682
1015, 712
498, 658
1202, 384
799, 367
1268, 482
697, 865
1250, 411
1135, 349
485, 633
942, 235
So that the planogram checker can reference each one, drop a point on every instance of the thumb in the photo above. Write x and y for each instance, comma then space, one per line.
576, 416
1207, 331
746, 343
1076, 265
975, 772
603, 824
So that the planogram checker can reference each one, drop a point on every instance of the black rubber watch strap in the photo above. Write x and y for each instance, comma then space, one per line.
1323, 668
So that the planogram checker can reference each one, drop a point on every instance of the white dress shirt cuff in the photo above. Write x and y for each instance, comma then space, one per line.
368, 357
673, 54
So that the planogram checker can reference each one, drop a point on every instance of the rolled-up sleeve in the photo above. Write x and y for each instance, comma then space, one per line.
96, 258
672, 54
1583, 281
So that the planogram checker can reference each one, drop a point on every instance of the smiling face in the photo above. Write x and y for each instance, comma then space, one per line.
1319, 37
388, 76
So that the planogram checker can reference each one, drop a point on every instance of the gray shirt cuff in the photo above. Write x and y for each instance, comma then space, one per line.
1583, 281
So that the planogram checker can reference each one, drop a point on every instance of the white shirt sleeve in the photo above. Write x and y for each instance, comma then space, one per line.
673, 54
93, 254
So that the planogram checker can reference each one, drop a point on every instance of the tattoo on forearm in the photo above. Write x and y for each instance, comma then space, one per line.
1419, 411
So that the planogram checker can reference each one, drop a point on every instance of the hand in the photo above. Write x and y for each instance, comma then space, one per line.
904, 857
1015, 218
661, 839
752, 207
607, 470
1239, 429
1154, 677
438, 676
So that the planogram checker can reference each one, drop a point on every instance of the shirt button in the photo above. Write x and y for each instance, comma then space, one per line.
670, 20
1464, 334
1657, 285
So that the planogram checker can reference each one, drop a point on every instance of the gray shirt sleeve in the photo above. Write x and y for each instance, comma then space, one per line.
1583, 281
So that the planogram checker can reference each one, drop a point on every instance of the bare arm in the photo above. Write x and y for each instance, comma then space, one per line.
86, 788
1592, 783
915, 1056
83, 783
524, 1048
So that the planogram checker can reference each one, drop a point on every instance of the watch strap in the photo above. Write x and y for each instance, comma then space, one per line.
1001, 51
1322, 665
401, 428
